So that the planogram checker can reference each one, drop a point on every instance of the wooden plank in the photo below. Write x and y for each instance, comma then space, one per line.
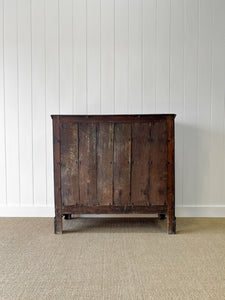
79, 56
105, 163
87, 164
217, 124
11, 104
25, 104
93, 57
66, 55
3, 200
177, 86
190, 141
171, 221
202, 170
149, 55
162, 83
121, 56
113, 209
52, 86
113, 118
135, 57
107, 56
57, 178
140, 175
69, 164
122, 163
39, 102
158, 168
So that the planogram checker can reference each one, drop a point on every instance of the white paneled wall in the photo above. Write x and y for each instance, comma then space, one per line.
111, 57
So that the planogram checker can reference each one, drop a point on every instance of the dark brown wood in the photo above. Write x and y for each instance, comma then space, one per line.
69, 164
171, 221
114, 209
159, 163
140, 175
68, 216
57, 176
122, 163
105, 135
162, 216
112, 118
87, 164
114, 164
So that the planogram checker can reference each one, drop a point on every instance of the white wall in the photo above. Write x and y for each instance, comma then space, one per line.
111, 56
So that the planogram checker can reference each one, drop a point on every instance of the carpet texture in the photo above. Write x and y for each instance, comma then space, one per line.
112, 259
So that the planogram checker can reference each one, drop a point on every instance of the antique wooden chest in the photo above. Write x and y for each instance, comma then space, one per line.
114, 164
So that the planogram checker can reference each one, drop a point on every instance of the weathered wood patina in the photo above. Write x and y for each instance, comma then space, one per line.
114, 164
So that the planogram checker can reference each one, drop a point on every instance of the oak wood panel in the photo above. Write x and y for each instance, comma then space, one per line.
122, 163
87, 164
140, 176
158, 168
69, 164
105, 163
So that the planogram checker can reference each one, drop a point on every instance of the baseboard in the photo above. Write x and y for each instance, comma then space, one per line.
37, 211
216, 211
201, 211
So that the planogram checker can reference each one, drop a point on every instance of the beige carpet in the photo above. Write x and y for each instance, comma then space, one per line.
112, 259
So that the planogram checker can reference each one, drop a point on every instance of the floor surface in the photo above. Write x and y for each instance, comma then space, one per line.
112, 259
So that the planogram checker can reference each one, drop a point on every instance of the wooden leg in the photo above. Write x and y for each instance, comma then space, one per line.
58, 224
171, 225
67, 216
162, 216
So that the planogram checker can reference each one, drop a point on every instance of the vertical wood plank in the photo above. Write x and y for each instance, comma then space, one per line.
87, 164
177, 87
11, 103
79, 56
163, 57
93, 56
171, 219
52, 86
204, 102
140, 176
149, 55
3, 199
107, 56
105, 163
217, 104
121, 56
190, 101
122, 163
158, 168
25, 103
135, 56
69, 164
65, 56
39, 101
57, 178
